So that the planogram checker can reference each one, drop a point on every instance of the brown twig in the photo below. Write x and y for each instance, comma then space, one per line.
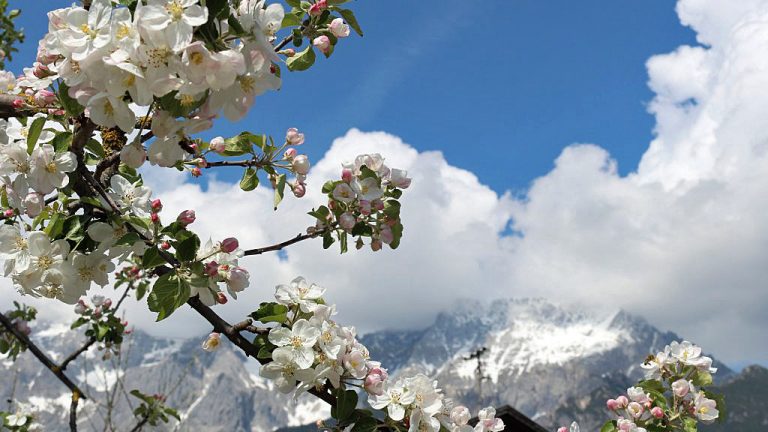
279, 246
223, 327
40, 355
73, 411
75, 354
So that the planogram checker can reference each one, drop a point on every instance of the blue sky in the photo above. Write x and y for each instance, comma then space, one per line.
501, 87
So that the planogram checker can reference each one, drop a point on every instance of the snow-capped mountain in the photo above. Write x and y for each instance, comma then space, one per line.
538, 358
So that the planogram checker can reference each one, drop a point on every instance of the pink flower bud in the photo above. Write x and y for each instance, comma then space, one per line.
300, 164
157, 205
347, 221
386, 235
378, 204
290, 52
289, 154
346, 175
97, 312
218, 145
229, 245
339, 28
196, 172
323, 43
622, 401
80, 308
562, 429
294, 137
681, 388
9, 213
299, 190
18, 103
212, 268
41, 71
186, 217
193, 147
318, 8
374, 381
221, 298
107, 303
45, 97
611, 404
165, 245
657, 412
155, 218
375, 245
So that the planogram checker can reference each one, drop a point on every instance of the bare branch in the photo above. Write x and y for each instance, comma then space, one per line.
40, 355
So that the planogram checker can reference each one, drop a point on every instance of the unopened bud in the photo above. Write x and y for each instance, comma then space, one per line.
299, 190
218, 145
229, 245
165, 245
221, 298
186, 217
196, 172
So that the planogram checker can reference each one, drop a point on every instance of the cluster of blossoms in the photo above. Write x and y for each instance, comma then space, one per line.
672, 397
174, 55
103, 325
307, 350
364, 203
21, 420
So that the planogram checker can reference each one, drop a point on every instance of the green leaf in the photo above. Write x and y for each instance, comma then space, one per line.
321, 213
61, 141
186, 250
290, 20
349, 17
168, 294
4, 346
240, 144
302, 60
294, 3
250, 180
279, 189
128, 239
270, 312
329, 186
397, 234
609, 426
689, 424
346, 401
55, 226
152, 259
69, 104
327, 240
34, 133
95, 147
365, 424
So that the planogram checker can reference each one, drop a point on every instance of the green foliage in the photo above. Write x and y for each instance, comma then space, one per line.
301, 60
153, 409
9, 35
169, 292
346, 401
270, 312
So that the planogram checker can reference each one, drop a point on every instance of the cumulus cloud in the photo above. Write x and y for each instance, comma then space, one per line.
683, 240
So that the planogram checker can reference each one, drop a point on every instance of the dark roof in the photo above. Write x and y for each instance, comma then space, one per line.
515, 421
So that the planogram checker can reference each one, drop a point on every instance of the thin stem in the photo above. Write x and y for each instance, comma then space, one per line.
279, 246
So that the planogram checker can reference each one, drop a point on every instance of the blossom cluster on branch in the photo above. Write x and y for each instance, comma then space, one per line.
307, 349
673, 396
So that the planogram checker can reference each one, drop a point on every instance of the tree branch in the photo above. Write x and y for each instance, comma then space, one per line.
277, 247
73, 411
75, 354
40, 355
223, 327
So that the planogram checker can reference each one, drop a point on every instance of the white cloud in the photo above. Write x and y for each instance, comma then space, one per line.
682, 241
